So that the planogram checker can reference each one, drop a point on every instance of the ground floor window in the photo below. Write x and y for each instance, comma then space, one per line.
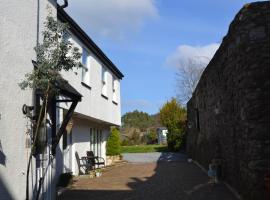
96, 141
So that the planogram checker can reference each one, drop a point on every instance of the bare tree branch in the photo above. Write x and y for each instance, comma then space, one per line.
187, 77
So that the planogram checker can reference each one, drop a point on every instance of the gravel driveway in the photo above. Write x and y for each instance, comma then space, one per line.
151, 176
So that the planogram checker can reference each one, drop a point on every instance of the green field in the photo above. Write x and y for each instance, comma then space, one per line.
144, 148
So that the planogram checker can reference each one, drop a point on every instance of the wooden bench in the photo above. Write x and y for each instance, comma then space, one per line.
83, 164
94, 160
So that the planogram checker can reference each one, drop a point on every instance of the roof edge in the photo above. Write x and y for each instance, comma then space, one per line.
86, 40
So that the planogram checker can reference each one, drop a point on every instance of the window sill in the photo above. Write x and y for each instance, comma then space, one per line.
105, 97
86, 85
115, 103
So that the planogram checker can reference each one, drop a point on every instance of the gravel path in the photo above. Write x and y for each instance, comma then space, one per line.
152, 177
153, 157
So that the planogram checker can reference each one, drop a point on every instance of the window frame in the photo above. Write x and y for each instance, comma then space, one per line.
114, 90
104, 80
85, 74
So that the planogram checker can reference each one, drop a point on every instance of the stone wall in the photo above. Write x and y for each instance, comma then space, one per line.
229, 113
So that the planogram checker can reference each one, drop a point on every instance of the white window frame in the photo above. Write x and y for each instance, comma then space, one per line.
85, 76
114, 90
104, 77
96, 141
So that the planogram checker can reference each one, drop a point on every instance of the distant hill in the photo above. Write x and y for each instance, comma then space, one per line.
137, 119
140, 120
137, 124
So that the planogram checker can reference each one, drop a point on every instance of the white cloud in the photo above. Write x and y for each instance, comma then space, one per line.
112, 18
184, 53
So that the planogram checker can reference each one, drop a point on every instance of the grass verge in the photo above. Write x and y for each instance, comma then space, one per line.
144, 148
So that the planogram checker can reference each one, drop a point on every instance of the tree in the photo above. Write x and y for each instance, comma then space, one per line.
187, 77
151, 137
54, 54
135, 138
113, 144
137, 125
173, 116
137, 119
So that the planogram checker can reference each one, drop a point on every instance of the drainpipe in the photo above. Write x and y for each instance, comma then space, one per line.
65, 4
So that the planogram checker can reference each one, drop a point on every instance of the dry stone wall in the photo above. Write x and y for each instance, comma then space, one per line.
229, 113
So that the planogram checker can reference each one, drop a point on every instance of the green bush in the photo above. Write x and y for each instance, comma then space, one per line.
113, 144
124, 142
173, 116
175, 139
135, 138
151, 137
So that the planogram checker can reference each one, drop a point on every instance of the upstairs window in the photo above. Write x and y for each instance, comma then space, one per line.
104, 81
114, 89
85, 68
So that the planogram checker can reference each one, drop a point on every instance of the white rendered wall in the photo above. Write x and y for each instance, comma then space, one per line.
81, 139
18, 37
93, 104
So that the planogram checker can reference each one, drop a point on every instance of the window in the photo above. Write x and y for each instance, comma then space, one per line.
104, 75
104, 82
96, 141
85, 68
114, 90
91, 139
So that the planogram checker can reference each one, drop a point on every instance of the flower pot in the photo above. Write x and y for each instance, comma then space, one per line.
98, 174
92, 174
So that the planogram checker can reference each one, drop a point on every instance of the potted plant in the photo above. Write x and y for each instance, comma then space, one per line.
92, 174
98, 172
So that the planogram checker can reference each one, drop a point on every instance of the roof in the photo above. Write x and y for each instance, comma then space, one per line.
65, 88
87, 41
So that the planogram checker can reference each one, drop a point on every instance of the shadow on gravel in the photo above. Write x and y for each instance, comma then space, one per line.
172, 157
170, 180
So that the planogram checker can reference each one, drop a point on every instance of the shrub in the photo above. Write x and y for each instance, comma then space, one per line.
151, 137
173, 116
113, 144
135, 138
124, 142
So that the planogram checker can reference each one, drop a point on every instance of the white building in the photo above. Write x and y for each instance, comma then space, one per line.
162, 135
21, 23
